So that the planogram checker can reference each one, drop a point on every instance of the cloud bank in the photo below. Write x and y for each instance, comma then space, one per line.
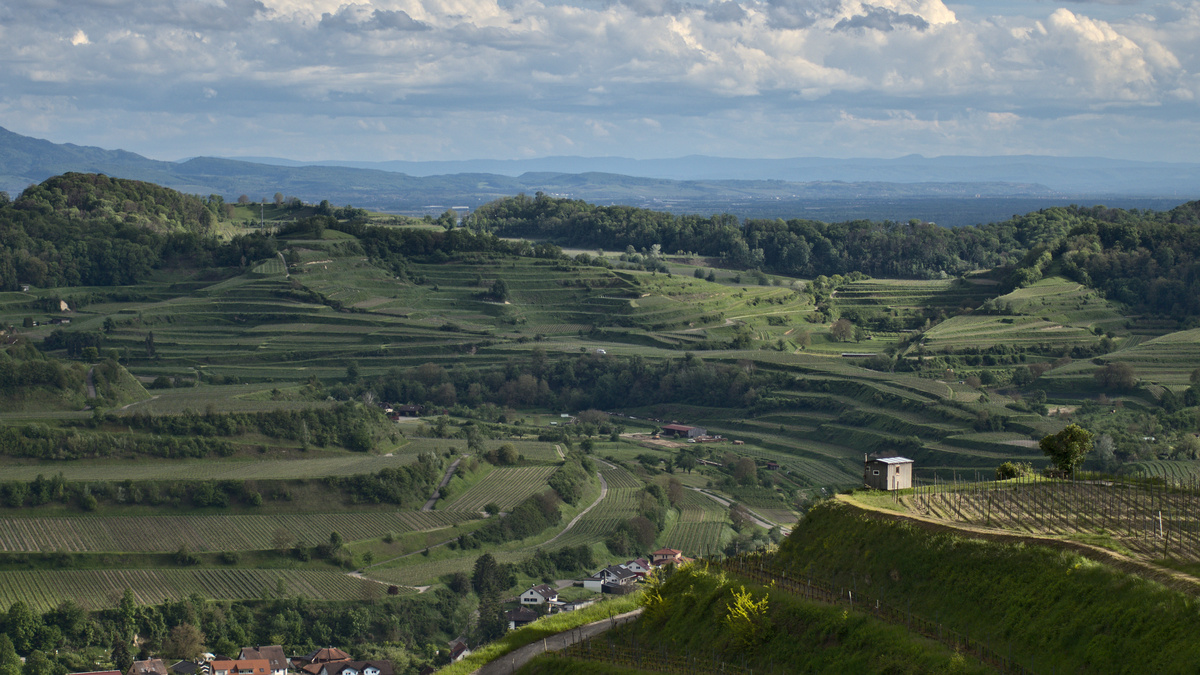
426, 79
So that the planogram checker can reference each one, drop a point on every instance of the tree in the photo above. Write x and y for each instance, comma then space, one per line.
10, 663
243, 199
121, 657
22, 626
184, 642
508, 455
499, 290
278, 199
1068, 447
1116, 375
842, 330
745, 471
802, 338
150, 344
38, 664
860, 334
490, 577
685, 461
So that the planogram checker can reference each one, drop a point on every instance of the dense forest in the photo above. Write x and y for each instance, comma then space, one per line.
1145, 259
92, 230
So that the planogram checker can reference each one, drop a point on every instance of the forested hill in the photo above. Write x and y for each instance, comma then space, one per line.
92, 196
1146, 259
89, 229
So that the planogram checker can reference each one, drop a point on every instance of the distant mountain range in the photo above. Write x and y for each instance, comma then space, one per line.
948, 190
1068, 175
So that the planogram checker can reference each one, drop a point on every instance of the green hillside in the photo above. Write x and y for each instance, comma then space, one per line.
278, 406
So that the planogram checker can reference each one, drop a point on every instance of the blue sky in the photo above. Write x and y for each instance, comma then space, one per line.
462, 79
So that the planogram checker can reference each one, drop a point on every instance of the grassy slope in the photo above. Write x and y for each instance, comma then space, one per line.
1057, 609
688, 618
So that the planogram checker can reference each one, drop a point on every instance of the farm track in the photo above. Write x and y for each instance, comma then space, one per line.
445, 481
1176, 580
576, 519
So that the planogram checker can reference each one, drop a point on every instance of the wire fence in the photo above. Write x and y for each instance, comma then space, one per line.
1156, 518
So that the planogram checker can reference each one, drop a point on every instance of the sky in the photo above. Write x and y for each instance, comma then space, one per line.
513, 79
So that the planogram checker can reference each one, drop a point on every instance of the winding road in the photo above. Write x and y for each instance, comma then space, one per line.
603, 494
445, 481
758, 519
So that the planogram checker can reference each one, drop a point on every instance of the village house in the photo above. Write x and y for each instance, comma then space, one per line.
272, 654
639, 566
311, 663
148, 667
667, 556
612, 579
459, 649
189, 668
521, 616
539, 595
357, 668
241, 667
887, 473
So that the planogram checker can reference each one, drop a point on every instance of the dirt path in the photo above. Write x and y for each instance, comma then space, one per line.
514, 660
1178, 581
359, 575
91, 383
603, 494
127, 406
558, 449
445, 481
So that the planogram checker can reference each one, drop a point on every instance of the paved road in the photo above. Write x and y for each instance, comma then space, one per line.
513, 661
762, 522
445, 480
91, 384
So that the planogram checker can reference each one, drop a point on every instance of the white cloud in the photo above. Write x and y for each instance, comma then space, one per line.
892, 73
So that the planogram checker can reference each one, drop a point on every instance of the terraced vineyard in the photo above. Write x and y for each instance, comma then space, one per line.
505, 487
701, 527
92, 534
1154, 520
1167, 360
277, 469
44, 590
618, 506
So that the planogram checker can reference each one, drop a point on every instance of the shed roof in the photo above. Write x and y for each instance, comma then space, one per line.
893, 460
678, 427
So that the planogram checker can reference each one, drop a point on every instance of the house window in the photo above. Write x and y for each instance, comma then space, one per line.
875, 472
897, 471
